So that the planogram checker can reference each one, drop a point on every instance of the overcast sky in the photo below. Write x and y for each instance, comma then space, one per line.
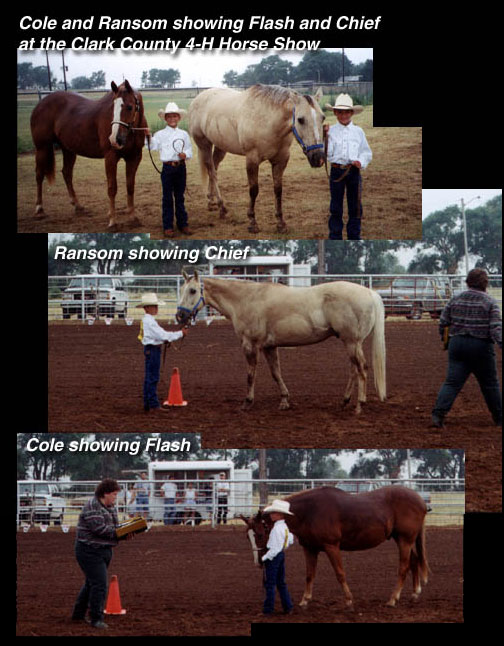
202, 68
437, 199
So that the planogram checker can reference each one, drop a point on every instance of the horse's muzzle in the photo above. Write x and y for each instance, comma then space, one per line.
316, 158
182, 317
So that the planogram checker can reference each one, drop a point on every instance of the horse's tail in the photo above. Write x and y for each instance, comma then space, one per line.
46, 163
423, 566
202, 167
379, 353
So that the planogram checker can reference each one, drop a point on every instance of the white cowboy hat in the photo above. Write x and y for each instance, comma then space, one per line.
172, 108
280, 506
150, 299
345, 102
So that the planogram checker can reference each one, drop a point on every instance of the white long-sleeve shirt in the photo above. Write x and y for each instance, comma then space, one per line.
346, 144
279, 539
166, 142
153, 333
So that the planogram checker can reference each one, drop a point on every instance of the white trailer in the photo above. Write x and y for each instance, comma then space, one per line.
268, 267
204, 476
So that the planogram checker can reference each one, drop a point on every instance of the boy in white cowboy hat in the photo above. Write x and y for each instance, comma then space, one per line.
152, 337
174, 145
348, 152
279, 540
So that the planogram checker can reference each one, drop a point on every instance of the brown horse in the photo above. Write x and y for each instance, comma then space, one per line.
267, 316
329, 520
111, 128
260, 124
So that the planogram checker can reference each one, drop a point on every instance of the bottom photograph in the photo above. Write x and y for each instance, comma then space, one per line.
151, 535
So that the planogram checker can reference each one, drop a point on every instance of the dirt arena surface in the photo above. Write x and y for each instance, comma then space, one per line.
202, 581
391, 195
96, 381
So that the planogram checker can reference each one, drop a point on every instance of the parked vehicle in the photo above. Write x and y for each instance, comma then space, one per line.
411, 296
95, 295
40, 502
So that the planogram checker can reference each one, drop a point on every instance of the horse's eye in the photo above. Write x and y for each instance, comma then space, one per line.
301, 120
323, 117
192, 290
129, 108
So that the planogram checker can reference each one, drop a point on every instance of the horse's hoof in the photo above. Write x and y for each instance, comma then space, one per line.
253, 228
78, 208
222, 213
247, 404
113, 228
284, 406
282, 228
39, 212
345, 402
350, 608
135, 222
391, 603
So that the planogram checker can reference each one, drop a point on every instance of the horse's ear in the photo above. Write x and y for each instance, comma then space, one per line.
185, 275
245, 520
114, 87
196, 274
128, 86
318, 94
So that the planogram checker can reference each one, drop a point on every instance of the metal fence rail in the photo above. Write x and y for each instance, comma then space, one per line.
446, 498
168, 289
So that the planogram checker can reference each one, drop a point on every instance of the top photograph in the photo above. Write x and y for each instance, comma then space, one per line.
212, 145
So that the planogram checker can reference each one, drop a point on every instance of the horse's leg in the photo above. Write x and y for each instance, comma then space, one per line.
415, 573
277, 170
405, 546
111, 171
251, 356
131, 169
207, 163
69, 158
271, 355
350, 385
44, 165
253, 182
358, 365
334, 554
311, 568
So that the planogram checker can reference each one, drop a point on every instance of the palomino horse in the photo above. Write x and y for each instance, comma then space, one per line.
111, 128
266, 316
259, 123
330, 520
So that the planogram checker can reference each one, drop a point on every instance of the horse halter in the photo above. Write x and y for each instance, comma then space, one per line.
194, 311
129, 126
306, 149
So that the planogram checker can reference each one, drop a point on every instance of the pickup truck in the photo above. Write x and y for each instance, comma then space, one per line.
411, 296
96, 295
40, 502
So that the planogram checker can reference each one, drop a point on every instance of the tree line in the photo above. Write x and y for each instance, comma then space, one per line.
280, 463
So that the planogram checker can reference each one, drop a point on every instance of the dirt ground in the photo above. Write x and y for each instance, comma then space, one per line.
391, 196
202, 581
96, 377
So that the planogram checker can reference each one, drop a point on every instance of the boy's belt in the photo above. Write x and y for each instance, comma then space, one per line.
343, 166
174, 163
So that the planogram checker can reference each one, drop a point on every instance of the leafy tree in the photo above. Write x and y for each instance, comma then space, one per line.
484, 234
29, 76
231, 78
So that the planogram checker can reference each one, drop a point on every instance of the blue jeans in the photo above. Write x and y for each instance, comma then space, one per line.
352, 183
173, 179
94, 562
169, 509
274, 577
466, 355
152, 355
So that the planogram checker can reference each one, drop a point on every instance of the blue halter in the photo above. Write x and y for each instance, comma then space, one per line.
306, 149
194, 311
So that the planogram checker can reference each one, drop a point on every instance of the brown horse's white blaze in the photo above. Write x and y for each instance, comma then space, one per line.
267, 316
329, 520
259, 124
111, 128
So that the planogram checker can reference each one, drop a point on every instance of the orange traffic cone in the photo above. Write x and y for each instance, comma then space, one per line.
114, 600
175, 393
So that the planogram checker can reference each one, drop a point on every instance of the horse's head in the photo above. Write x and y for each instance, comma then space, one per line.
307, 120
127, 111
191, 298
258, 531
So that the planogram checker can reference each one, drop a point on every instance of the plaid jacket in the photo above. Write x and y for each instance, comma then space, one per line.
474, 313
97, 524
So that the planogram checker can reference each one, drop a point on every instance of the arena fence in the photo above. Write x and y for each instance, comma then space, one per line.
45, 504
414, 296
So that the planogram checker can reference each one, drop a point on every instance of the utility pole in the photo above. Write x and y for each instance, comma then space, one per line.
263, 474
64, 69
464, 223
48, 71
321, 257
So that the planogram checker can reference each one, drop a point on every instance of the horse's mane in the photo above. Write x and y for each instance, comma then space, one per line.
274, 93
